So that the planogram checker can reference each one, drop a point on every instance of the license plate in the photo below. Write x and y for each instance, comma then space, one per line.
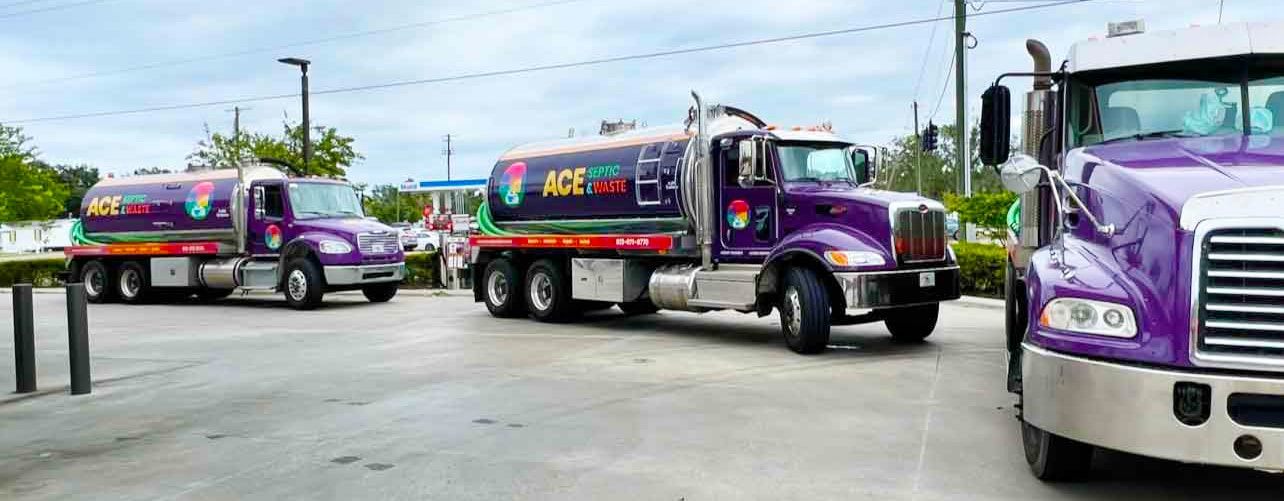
927, 279
377, 249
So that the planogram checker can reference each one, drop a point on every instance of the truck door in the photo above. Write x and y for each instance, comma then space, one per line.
266, 228
750, 217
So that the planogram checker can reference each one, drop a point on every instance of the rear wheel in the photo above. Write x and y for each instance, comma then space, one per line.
503, 289
912, 324
303, 284
99, 285
804, 312
548, 293
380, 293
131, 283
1054, 458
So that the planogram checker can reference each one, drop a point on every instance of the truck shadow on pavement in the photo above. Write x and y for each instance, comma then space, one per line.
1113, 471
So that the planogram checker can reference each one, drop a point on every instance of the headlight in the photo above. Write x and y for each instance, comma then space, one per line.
335, 247
854, 258
1089, 317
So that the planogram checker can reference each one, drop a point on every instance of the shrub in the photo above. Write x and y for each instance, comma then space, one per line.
38, 272
987, 210
422, 270
981, 268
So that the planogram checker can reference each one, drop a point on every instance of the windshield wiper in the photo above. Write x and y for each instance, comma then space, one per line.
1149, 135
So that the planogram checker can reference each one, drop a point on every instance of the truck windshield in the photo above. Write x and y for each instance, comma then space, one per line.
816, 162
316, 200
1186, 99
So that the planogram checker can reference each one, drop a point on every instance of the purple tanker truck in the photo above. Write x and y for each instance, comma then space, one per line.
209, 233
721, 213
1146, 279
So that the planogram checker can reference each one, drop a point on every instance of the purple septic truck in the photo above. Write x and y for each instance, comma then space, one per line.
208, 233
721, 213
1146, 286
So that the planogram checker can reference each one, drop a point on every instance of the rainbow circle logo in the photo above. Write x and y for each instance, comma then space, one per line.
511, 185
198, 200
272, 237
738, 214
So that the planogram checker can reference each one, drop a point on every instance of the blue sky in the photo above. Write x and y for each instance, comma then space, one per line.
862, 82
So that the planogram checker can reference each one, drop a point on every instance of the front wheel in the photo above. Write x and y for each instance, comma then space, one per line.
99, 285
912, 324
303, 284
380, 293
1053, 457
804, 312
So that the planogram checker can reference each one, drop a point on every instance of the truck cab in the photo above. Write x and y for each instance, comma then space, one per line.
1146, 267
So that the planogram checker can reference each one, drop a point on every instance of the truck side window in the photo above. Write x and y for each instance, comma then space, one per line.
731, 166
272, 205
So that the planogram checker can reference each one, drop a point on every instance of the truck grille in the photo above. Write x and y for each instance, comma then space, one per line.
1241, 285
386, 242
918, 233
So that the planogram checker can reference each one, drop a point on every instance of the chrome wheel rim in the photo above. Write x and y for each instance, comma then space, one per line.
130, 283
793, 311
93, 281
497, 288
297, 285
541, 291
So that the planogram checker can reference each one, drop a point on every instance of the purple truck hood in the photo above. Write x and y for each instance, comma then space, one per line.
1173, 170
845, 192
349, 227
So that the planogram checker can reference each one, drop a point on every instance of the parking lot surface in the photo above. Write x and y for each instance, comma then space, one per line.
428, 397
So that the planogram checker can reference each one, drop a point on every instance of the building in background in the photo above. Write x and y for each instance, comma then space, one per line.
35, 236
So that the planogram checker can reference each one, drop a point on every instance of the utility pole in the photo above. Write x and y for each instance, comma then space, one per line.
448, 151
960, 94
918, 155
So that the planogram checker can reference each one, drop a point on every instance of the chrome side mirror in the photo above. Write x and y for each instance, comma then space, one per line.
748, 161
1021, 173
259, 211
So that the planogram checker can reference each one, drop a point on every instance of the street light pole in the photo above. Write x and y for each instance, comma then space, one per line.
307, 124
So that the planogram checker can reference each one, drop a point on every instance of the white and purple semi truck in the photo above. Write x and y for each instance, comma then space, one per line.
1146, 287
209, 233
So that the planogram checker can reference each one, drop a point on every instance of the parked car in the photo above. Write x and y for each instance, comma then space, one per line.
427, 240
407, 235
952, 225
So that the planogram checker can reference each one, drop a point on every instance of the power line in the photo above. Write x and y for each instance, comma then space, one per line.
928, 51
301, 43
944, 85
50, 8
532, 69
20, 2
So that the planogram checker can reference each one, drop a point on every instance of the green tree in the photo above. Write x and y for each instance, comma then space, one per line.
78, 179
988, 210
29, 191
14, 143
940, 175
381, 203
332, 153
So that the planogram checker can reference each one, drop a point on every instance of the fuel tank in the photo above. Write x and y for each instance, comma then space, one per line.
184, 207
623, 183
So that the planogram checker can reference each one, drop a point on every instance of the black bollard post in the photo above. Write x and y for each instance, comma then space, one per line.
24, 339
78, 338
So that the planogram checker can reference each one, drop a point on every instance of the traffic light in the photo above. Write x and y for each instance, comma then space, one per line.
929, 137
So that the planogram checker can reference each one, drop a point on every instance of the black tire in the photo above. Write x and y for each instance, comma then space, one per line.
302, 284
912, 324
506, 300
1053, 458
548, 292
100, 285
643, 307
380, 293
804, 312
213, 294
132, 285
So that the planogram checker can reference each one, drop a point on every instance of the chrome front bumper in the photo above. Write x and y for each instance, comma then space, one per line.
1131, 409
360, 275
866, 291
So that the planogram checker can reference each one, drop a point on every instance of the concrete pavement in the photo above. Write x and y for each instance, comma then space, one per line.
428, 397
